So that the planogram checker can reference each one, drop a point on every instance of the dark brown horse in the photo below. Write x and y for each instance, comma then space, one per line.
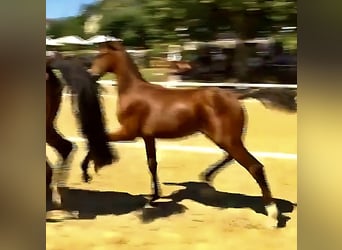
152, 111
89, 113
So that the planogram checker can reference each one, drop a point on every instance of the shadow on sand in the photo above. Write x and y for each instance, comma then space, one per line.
204, 193
161, 209
90, 203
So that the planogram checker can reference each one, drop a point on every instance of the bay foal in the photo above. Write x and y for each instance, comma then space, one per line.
151, 111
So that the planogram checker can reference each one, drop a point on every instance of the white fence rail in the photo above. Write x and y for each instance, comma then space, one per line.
175, 84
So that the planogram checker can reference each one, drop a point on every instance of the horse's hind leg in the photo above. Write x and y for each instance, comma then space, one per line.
84, 166
208, 174
55, 194
63, 146
238, 151
61, 170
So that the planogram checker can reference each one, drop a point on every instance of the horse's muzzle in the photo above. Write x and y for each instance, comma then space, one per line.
94, 76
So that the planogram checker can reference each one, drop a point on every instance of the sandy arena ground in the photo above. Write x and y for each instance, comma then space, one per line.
112, 212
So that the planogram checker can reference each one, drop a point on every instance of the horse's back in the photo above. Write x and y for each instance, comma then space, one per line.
190, 98
218, 98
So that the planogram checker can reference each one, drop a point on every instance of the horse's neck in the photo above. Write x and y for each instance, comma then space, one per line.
127, 73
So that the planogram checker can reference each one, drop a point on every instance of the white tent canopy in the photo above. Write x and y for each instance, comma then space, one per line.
102, 39
72, 40
52, 42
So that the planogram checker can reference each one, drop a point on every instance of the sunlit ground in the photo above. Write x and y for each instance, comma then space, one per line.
198, 217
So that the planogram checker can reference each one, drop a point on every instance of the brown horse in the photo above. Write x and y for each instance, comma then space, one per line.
90, 116
152, 111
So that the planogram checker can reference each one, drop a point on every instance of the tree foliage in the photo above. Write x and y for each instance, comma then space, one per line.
66, 27
148, 22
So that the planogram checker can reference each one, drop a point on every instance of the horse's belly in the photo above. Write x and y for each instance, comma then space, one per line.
172, 132
171, 125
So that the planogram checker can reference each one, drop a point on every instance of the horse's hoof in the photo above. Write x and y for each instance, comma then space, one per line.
272, 223
152, 203
272, 214
86, 178
153, 199
60, 215
56, 200
205, 177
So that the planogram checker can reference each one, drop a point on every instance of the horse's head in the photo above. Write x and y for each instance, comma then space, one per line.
107, 59
52, 56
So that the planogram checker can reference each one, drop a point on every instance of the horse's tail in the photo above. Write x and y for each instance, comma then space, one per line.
283, 99
52, 78
89, 110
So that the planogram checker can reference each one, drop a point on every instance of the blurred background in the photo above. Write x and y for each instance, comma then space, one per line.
208, 43
189, 40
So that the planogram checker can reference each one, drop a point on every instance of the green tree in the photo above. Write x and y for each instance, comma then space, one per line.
126, 23
153, 23
248, 17
67, 27
55, 29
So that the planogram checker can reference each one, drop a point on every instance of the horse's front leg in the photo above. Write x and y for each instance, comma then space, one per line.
150, 147
84, 166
